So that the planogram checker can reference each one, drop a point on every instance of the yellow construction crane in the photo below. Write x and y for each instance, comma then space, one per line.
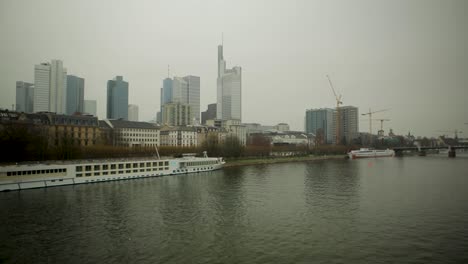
370, 113
338, 102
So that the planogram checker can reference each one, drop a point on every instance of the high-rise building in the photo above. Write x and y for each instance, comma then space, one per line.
24, 97
321, 123
75, 94
90, 107
183, 90
193, 96
132, 112
177, 114
50, 87
117, 98
166, 91
349, 124
229, 84
209, 114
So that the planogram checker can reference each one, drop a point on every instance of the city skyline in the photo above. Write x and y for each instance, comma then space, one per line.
410, 57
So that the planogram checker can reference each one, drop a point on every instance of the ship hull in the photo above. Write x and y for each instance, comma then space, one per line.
22, 177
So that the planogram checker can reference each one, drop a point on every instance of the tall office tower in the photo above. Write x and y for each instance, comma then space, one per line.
132, 112
90, 107
349, 124
182, 90
229, 83
49, 87
117, 98
166, 95
75, 94
193, 96
24, 97
320, 122
179, 90
209, 114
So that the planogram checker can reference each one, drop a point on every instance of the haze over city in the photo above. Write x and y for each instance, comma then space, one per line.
409, 56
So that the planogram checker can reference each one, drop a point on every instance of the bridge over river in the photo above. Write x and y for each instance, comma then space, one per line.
422, 150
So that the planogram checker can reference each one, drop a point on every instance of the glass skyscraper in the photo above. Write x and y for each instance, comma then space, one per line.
75, 94
117, 98
320, 121
24, 97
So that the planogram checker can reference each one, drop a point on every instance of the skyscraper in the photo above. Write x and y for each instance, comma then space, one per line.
75, 94
182, 90
132, 112
24, 97
50, 83
321, 123
229, 84
117, 98
349, 124
193, 96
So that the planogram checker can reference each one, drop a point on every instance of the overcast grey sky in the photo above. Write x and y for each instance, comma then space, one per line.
409, 55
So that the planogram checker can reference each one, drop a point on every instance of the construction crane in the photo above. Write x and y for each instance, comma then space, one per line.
455, 132
370, 113
338, 102
381, 122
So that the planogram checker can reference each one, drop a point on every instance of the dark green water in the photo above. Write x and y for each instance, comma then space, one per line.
389, 210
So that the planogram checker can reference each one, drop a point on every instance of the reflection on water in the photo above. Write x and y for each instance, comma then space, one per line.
400, 210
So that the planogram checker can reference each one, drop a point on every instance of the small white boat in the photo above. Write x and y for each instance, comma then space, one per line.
371, 153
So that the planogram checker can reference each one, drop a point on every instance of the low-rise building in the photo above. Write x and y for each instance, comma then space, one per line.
233, 127
134, 134
179, 136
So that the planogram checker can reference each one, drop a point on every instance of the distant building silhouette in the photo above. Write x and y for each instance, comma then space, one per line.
24, 97
90, 107
209, 114
132, 112
117, 98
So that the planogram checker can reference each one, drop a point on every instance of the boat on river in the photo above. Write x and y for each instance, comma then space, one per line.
371, 153
40, 175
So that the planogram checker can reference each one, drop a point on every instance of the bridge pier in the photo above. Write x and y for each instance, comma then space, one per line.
422, 153
452, 153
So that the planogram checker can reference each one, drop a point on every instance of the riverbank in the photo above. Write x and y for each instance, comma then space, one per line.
271, 160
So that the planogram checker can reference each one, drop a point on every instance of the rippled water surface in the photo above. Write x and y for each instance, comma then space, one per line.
390, 210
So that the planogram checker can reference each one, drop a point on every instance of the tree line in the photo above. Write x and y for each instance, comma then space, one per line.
31, 143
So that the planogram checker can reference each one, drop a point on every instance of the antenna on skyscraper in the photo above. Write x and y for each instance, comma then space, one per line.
168, 76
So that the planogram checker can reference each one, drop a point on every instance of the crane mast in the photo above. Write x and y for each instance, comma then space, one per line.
338, 119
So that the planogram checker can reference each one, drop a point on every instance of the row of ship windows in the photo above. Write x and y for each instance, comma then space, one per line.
88, 174
198, 163
195, 169
34, 172
121, 166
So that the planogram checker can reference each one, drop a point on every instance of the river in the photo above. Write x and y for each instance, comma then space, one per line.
388, 210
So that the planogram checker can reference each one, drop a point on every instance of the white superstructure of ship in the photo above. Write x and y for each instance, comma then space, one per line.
371, 153
40, 175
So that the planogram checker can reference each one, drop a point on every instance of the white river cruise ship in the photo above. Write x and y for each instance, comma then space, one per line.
40, 175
